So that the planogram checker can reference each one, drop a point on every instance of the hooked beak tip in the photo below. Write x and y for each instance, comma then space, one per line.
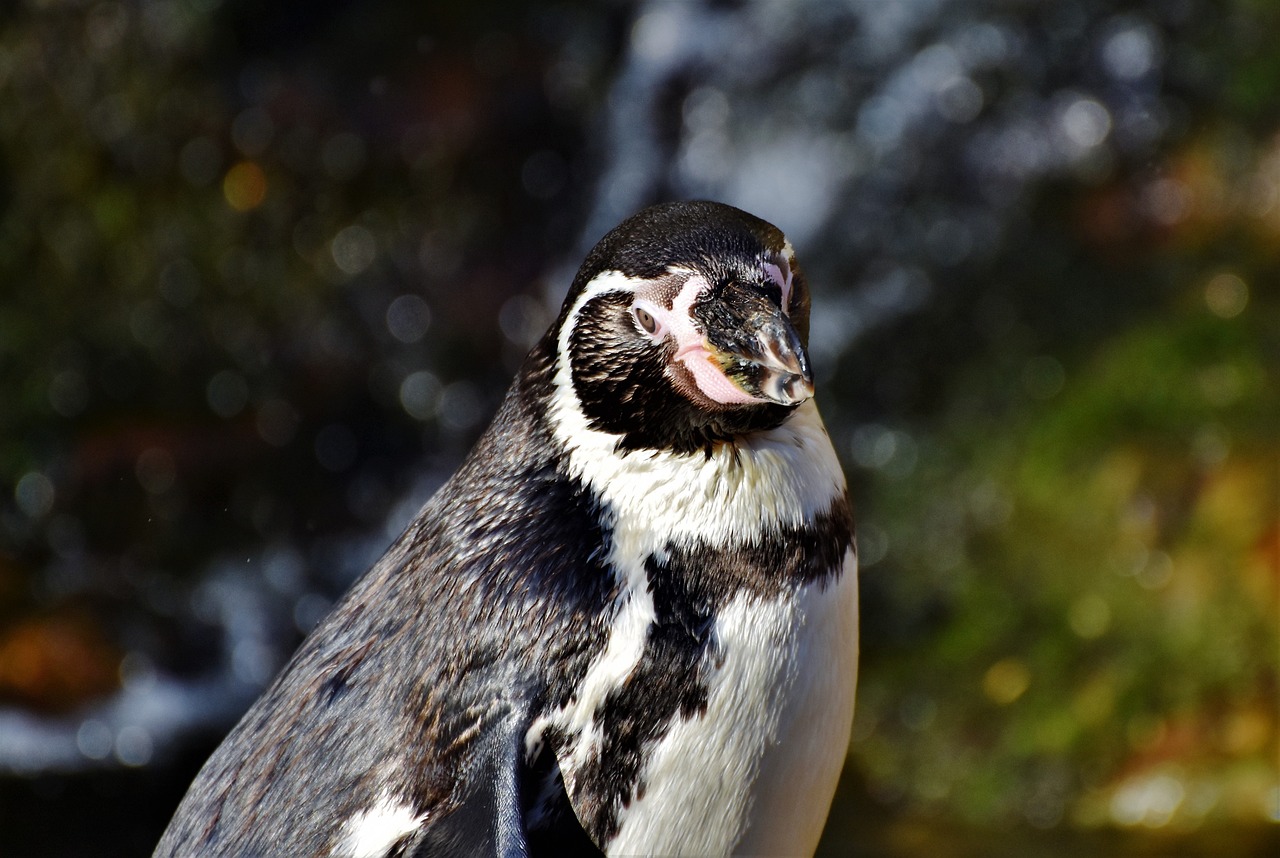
787, 388
784, 366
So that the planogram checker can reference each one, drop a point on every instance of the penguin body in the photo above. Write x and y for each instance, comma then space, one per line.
627, 624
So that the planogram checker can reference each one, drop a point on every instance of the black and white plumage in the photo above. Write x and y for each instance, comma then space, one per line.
627, 624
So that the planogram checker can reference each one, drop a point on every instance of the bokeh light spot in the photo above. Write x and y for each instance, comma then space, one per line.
1226, 295
420, 394
1043, 377
34, 494
1246, 732
155, 470
1132, 50
94, 739
1089, 616
353, 249
245, 186
227, 393
459, 406
1149, 800
873, 544
408, 318
1166, 201
133, 746
309, 610
1157, 572
1006, 680
523, 318
918, 712
68, 393
1085, 122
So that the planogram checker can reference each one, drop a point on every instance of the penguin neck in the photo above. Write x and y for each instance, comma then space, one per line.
727, 493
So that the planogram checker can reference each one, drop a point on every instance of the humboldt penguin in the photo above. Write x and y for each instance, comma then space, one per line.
626, 626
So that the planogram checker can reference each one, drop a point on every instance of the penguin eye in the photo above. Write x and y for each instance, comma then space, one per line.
646, 320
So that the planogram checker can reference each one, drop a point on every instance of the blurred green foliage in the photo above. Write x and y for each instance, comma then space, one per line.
1090, 548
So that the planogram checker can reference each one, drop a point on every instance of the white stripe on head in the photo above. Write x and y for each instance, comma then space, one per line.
781, 270
782, 277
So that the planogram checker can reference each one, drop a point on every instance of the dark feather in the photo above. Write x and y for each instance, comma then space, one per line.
501, 571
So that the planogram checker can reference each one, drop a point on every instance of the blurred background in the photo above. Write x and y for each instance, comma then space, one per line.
267, 268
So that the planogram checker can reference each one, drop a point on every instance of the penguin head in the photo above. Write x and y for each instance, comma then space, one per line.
686, 326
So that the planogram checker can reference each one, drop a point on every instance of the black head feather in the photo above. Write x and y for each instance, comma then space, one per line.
628, 385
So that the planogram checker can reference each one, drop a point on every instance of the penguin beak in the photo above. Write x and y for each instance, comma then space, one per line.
754, 343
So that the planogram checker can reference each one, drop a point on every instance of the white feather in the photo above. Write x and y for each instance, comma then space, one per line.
607, 671
754, 774
373, 832
802, 764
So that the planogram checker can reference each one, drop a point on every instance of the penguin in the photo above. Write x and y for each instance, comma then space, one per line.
627, 625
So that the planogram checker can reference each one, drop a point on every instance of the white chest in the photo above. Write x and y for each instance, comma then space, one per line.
800, 768
755, 773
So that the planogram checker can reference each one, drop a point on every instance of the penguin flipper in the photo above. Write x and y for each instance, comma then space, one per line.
490, 819
509, 833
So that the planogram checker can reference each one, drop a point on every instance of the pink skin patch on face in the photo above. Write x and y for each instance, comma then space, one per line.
691, 345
